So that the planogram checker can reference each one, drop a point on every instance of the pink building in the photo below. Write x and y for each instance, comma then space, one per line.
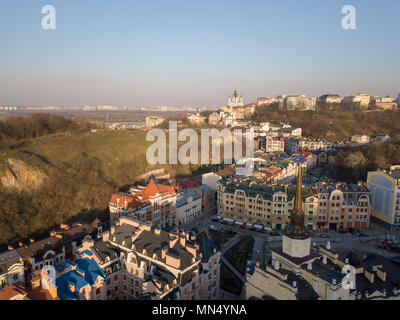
343, 206
154, 203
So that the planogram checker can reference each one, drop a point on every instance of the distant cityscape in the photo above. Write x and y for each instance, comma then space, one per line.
285, 101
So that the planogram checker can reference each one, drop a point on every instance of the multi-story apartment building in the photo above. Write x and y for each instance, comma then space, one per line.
207, 194
330, 99
214, 118
265, 101
385, 195
196, 118
272, 144
154, 121
11, 268
60, 246
40, 288
228, 119
80, 280
343, 206
252, 201
292, 145
296, 102
143, 262
386, 103
154, 203
188, 207
358, 139
358, 100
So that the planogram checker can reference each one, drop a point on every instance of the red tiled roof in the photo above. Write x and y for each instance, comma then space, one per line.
10, 291
304, 153
153, 189
189, 183
131, 200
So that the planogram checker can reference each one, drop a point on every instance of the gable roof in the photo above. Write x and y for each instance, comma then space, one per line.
153, 189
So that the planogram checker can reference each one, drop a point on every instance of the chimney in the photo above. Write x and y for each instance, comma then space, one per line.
294, 284
164, 252
10, 248
346, 261
328, 245
364, 256
31, 240
182, 240
309, 266
20, 244
324, 260
334, 282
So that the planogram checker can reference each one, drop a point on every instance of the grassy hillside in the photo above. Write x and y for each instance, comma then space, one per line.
122, 154
82, 170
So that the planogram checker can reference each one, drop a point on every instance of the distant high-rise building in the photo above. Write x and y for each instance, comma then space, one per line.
385, 194
296, 102
330, 98
360, 100
154, 121
386, 103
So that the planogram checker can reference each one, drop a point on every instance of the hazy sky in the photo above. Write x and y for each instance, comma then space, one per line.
186, 52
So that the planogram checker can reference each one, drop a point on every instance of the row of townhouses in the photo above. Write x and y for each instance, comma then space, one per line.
335, 207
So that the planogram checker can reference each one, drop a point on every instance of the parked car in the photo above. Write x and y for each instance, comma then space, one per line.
214, 220
274, 234
242, 226
323, 235
382, 245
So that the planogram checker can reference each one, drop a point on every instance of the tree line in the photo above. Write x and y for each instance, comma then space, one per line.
16, 128
336, 123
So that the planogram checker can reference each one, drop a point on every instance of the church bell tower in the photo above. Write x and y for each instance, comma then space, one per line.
296, 241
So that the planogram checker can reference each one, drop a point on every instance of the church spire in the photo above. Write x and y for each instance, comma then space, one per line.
298, 201
297, 214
